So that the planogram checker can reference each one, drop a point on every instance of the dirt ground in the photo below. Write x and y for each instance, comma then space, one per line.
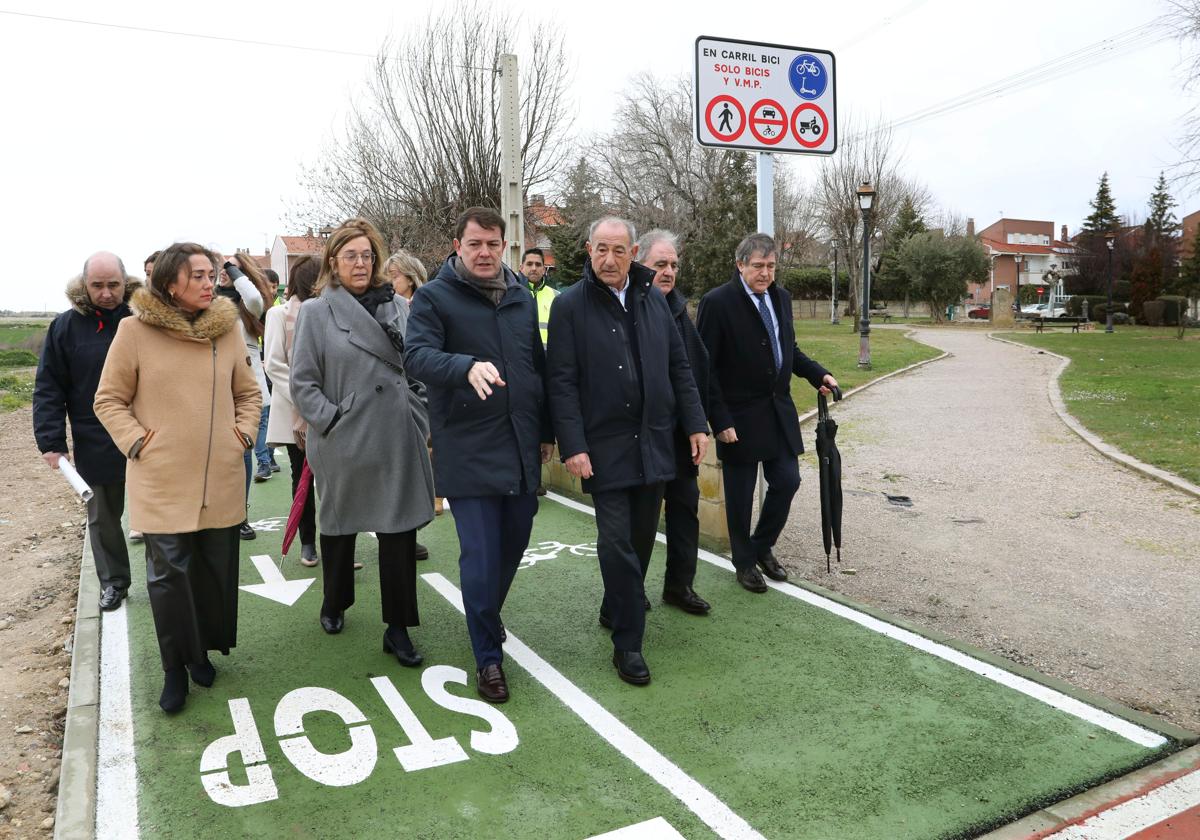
41, 542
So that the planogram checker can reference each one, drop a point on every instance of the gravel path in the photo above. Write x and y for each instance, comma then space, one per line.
1021, 538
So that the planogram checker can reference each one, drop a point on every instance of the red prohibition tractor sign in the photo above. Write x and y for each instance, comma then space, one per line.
809, 125
729, 123
768, 121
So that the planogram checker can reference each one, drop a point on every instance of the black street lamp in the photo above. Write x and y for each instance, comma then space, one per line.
833, 318
866, 197
1110, 239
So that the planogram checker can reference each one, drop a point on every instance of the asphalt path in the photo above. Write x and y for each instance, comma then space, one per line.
1021, 538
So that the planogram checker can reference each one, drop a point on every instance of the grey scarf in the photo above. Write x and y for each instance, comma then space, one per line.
492, 287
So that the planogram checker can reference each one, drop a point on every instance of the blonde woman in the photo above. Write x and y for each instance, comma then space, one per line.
406, 273
366, 430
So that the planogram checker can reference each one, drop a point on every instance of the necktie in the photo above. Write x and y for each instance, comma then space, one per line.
765, 314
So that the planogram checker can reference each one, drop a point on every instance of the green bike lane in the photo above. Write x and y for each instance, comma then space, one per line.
773, 716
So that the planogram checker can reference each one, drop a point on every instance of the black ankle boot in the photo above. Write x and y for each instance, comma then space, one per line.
203, 674
397, 642
175, 689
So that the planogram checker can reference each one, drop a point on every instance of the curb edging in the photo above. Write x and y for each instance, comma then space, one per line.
75, 813
1054, 392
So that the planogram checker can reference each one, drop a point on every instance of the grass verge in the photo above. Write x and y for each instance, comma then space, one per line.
1137, 388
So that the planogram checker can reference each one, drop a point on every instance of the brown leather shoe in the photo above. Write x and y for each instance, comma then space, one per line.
771, 567
751, 580
491, 684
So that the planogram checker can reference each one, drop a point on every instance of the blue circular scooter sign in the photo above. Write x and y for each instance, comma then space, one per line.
808, 76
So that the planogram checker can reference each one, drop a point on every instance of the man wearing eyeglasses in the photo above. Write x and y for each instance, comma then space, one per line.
473, 340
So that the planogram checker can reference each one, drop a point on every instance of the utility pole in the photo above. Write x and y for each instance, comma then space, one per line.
512, 166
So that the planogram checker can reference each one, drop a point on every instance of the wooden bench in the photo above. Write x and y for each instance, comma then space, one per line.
1076, 323
877, 314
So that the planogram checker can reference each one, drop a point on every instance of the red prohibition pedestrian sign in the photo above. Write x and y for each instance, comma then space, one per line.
768, 121
725, 118
809, 125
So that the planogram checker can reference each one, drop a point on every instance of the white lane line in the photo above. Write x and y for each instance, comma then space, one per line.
116, 770
698, 799
1077, 708
655, 829
1136, 814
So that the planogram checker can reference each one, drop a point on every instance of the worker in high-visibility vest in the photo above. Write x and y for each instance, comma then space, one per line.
533, 267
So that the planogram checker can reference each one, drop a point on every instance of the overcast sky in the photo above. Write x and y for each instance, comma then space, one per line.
129, 140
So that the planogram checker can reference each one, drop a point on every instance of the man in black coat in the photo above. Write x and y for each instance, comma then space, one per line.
747, 327
68, 374
658, 250
473, 340
619, 386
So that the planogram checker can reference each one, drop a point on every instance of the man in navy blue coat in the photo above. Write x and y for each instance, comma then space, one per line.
68, 374
473, 340
746, 324
620, 385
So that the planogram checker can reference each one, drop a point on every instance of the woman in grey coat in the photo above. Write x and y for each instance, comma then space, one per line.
367, 430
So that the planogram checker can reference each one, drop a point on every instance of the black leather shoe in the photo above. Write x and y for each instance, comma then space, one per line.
687, 600
631, 667
422, 553
203, 674
750, 579
605, 621
397, 643
503, 633
491, 684
246, 532
771, 567
333, 623
111, 597
175, 689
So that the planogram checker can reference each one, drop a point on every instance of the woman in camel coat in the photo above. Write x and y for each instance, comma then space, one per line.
179, 398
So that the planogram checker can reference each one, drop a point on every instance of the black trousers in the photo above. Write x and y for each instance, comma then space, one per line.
397, 575
783, 480
308, 516
106, 535
192, 580
626, 522
681, 502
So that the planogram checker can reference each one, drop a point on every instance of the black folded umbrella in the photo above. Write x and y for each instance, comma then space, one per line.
830, 461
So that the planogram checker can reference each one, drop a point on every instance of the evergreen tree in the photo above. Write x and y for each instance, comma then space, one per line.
1162, 222
1146, 280
1104, 211
579, 206
724, 220
891, 282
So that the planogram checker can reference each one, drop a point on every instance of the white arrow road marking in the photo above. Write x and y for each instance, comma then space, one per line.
655, 829
274, 585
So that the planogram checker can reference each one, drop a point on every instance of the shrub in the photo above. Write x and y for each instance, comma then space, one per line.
1152, 313
18, 358
1174, 307
1100, 312
1122, 318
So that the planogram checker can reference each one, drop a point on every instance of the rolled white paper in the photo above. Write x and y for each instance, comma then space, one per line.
76, 481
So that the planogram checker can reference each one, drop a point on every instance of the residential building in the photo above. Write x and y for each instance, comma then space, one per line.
286, 250
1024, 252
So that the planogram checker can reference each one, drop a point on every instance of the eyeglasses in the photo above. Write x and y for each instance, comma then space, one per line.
350, 259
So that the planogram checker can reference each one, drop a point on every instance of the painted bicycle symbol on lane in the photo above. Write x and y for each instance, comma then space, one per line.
551, 549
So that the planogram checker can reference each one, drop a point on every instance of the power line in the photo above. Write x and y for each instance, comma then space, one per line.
225, 38
1123, 43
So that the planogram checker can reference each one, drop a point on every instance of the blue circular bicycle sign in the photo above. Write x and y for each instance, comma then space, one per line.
808, 76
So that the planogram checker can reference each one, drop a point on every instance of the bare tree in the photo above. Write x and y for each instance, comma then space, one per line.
866, 152
652, 170
1184, 17
422, 141
798, 225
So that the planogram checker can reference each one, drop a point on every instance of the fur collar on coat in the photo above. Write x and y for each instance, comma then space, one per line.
81, 303
220, 317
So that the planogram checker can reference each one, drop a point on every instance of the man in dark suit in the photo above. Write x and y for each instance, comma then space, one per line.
747, 327
659, 251
619, 385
